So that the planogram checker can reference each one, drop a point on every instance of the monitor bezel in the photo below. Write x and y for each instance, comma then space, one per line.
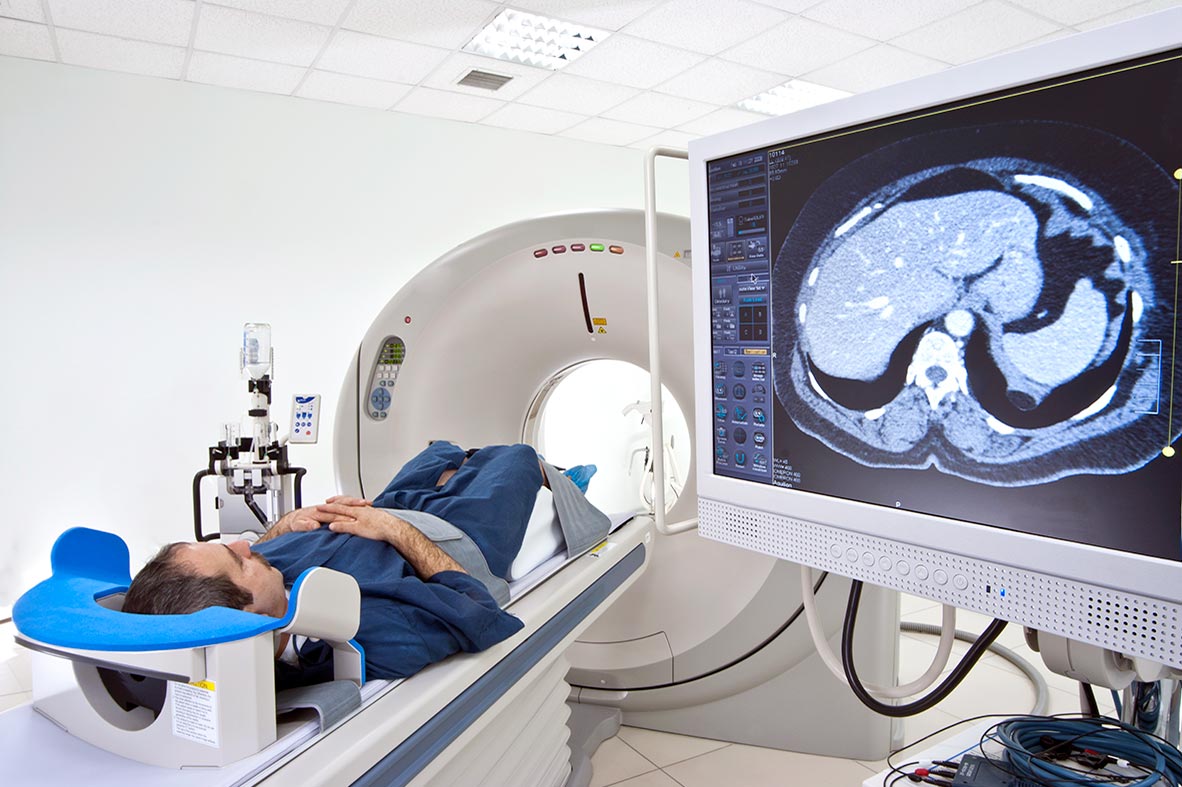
1102, 567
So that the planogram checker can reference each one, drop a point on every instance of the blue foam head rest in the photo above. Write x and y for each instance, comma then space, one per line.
90, 564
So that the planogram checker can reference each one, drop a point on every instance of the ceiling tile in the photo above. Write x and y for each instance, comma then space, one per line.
1071, 12
721, 120
449, 25
1064, 32
570, 93
346, 89
884, 21
659, 110
667, 138
708, 26
609, 132
25, 39
721, 82
321, 12
226, 71
28, 10
633, 61
120, 54
1133, 11
447, 105
458, 64
233, 32
161, 21
797, 47
974, 33
379, 58
871, 68
526, 118
595, 13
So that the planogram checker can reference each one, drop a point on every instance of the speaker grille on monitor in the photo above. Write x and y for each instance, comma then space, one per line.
1130, 624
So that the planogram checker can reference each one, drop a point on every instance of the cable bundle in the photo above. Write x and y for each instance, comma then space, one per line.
1062, 752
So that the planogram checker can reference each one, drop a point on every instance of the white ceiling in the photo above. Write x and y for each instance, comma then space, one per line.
670, 71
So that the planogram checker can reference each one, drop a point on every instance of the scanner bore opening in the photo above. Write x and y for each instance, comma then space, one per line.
597, 412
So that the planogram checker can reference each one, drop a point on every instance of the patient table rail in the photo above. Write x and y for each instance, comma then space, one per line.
402, 765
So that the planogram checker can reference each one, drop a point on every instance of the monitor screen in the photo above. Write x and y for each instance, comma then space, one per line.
963, 310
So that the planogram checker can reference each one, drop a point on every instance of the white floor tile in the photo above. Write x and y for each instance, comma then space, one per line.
616, 761
752, 766
988, 689
21, 669
931, 723
8, 682
12, 700
910, 605
662, 748
651, 779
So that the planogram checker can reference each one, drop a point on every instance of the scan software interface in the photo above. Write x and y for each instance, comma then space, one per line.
967, 311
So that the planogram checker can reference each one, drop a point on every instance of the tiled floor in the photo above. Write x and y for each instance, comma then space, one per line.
16, 684
644, 758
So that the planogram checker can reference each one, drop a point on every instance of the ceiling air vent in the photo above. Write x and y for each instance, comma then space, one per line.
485, 80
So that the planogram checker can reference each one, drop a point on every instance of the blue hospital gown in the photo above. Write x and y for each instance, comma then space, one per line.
406, 622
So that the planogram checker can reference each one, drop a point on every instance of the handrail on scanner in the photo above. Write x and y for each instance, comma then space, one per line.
654, 345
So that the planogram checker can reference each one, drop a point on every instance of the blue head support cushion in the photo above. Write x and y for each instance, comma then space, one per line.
90, 564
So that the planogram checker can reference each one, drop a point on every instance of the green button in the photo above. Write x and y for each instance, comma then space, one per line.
596, 247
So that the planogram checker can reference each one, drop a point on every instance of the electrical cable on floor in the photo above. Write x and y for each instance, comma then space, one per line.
1042, 693
821, 643
928, 701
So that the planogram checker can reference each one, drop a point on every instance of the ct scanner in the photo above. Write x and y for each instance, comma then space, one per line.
668, 632
482, 337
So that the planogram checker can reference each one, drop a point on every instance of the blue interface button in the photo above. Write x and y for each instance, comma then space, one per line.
720, 411
759, 416
740, 413
759, 438
720, 390
740, 458
740, 435
759, 463
720, 452
721, 432
380, 398
720, 368
739, 391
739, 368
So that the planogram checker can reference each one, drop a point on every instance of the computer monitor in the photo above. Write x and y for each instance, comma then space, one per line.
935, 336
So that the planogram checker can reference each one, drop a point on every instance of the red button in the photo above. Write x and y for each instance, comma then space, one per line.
540, 252
558, 249
577, 247
616, 249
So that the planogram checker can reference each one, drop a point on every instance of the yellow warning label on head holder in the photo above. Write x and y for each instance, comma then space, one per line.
208, 685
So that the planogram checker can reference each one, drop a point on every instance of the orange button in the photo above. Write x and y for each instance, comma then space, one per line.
616, 249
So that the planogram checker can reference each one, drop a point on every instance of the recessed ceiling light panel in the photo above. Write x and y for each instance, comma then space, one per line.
789, 97
534, 40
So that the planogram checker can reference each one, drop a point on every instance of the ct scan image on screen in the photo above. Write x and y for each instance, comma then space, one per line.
967, 311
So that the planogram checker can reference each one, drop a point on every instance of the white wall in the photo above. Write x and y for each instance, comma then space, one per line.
142, 221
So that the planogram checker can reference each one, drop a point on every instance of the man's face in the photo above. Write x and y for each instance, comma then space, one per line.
244, 568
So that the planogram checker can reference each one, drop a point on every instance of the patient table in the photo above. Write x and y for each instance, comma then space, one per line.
496, 717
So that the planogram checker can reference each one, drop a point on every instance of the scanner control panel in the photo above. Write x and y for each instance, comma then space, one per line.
383, 376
